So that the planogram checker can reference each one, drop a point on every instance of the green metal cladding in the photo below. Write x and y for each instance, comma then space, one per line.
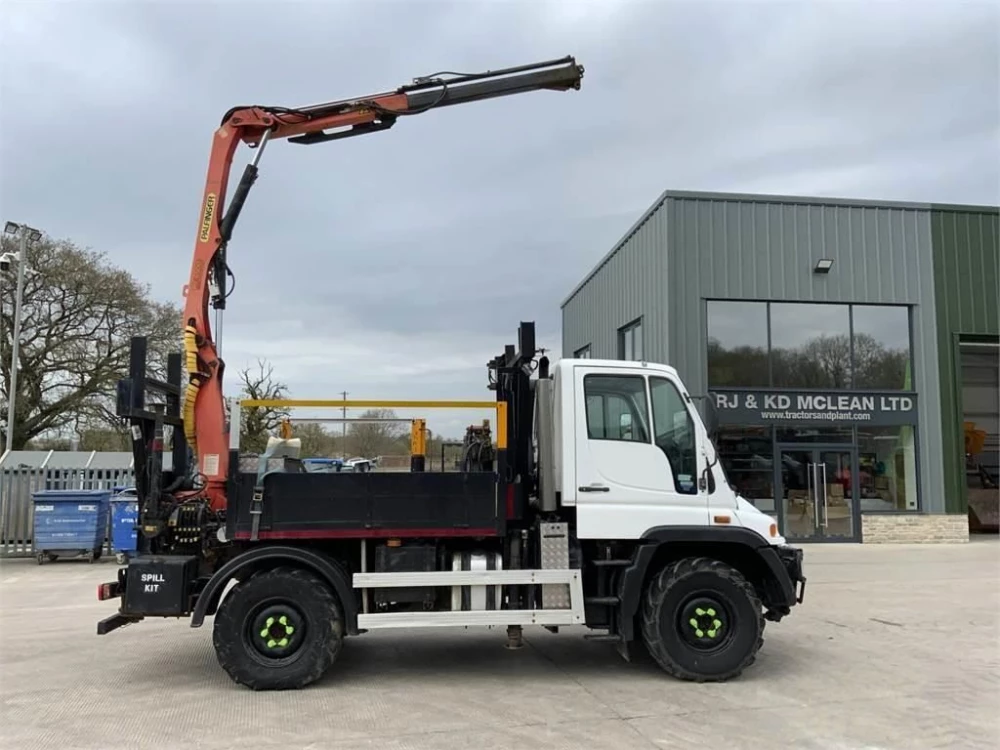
966, 248
941, 260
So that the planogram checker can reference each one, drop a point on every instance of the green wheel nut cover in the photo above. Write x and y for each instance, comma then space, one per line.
696, 625
277, 642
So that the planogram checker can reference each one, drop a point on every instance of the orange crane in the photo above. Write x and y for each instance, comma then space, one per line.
204, 415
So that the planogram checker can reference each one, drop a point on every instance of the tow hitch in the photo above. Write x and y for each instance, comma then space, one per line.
114, 622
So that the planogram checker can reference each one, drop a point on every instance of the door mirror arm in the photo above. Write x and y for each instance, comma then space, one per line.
706, 472
711, 423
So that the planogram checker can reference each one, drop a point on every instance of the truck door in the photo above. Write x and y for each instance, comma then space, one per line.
636, 458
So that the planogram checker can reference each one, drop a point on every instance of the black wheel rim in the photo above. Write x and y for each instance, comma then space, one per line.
276, 631
705, 622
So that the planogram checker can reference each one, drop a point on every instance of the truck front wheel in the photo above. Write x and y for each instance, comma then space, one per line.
280, 629
701, 620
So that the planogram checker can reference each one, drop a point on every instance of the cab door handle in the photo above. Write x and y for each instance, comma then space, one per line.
594, 488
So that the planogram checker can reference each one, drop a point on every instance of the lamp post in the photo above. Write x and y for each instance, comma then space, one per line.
26, 234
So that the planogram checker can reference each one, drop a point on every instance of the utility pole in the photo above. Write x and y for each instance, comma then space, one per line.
26, 233
343, 446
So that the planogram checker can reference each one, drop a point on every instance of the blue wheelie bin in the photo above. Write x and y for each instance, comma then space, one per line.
70, 522
124, 516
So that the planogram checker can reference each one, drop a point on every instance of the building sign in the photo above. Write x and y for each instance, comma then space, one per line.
815, 407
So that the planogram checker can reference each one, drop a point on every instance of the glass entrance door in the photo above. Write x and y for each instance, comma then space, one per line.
817, 487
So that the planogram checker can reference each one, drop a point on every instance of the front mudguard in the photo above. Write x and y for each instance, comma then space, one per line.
775, 570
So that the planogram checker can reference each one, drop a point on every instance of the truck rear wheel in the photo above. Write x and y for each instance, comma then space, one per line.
278, 630
702, 620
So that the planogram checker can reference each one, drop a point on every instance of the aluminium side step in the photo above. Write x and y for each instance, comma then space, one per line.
572, 615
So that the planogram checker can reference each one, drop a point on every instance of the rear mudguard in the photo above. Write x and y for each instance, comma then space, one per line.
272, 556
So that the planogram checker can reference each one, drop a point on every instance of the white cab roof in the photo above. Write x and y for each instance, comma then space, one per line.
618, 364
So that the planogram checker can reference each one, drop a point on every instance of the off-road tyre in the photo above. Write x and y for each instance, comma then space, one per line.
302, 601
686, 591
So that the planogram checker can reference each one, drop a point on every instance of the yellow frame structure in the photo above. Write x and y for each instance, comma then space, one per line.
500, 407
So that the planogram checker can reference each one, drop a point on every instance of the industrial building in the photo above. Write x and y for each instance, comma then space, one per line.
850, 347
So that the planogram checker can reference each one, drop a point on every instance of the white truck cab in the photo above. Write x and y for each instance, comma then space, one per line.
632, 453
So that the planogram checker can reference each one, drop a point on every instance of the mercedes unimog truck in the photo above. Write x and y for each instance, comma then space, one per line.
600, 501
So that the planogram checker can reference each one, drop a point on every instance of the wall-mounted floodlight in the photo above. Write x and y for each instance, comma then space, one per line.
823, 265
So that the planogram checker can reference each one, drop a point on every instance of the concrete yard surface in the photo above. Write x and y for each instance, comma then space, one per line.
894, 647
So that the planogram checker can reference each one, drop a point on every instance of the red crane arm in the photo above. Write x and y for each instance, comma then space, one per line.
205, 421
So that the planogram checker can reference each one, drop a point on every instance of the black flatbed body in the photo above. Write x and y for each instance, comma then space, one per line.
348, 505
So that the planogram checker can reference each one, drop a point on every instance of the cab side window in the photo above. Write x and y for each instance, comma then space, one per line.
673, 433
616, 408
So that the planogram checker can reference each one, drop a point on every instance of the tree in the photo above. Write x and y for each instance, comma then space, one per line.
875, 366
316, 442
79, 314
827, 359
737, 365
370, 439
259, 422
104, 440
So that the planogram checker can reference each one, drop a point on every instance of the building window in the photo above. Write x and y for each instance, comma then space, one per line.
737, 344
616, 407
747, 456
808, 345
881, 347
583, 353
887, 468
814, 434
673, 433
630, 341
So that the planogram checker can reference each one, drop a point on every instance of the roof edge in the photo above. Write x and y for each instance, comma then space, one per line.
970, 208
823, 200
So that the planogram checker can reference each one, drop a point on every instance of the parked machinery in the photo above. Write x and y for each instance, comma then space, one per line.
478, 451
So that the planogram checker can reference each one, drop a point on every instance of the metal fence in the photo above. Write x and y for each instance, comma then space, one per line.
17, 483
23, 473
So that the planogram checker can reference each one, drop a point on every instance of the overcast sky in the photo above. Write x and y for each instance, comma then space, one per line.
419, 250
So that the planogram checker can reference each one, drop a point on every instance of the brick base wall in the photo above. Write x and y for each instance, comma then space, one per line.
914, 528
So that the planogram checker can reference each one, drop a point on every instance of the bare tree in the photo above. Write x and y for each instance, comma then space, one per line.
78, 317
258, 422
829, 360
875, 366
737, 365
104, 440
316, 441
370, 439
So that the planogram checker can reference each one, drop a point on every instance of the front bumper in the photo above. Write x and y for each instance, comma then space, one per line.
791, 561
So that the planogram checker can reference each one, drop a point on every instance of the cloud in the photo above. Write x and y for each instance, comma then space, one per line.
425, 246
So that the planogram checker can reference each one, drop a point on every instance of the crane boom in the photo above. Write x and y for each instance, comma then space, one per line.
204, 416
